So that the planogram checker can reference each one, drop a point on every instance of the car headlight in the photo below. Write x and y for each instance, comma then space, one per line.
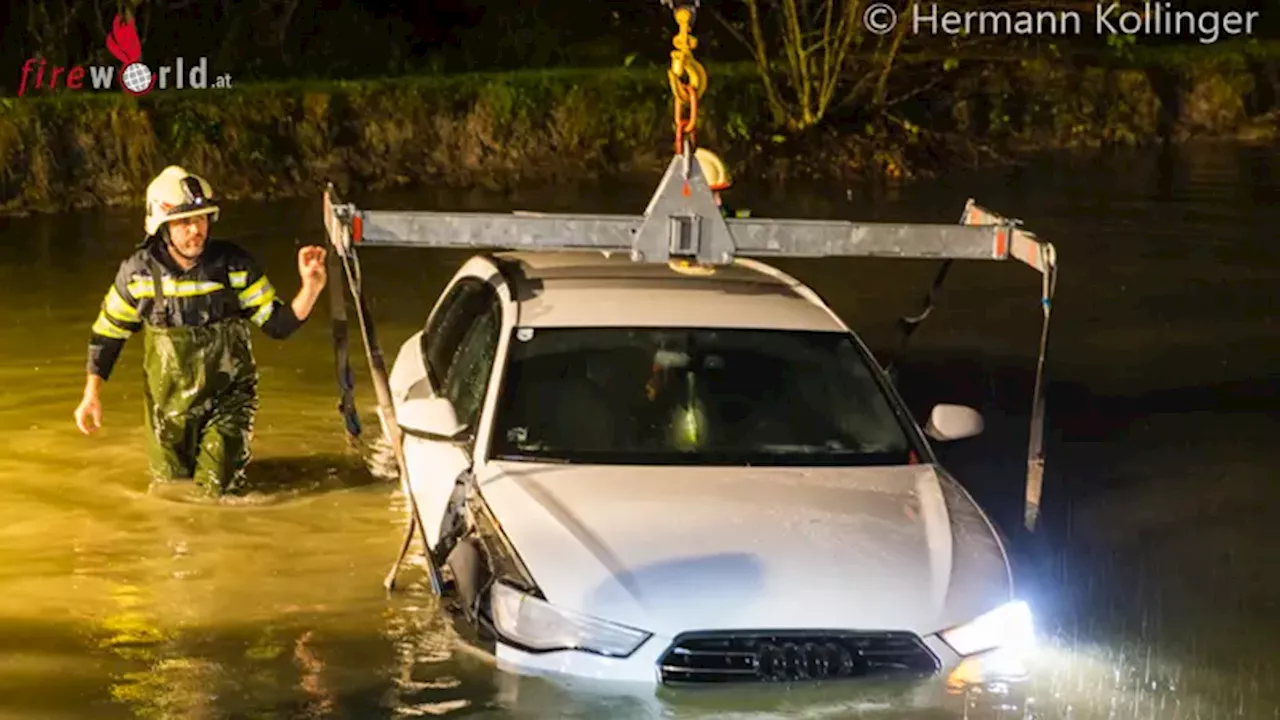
540, 626
1009, 626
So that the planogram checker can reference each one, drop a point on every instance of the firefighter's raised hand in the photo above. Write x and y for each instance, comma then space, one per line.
311, 267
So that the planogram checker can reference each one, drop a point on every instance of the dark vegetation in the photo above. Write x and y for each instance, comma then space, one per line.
380, 95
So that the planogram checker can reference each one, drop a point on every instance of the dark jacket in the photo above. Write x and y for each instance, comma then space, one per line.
225, 283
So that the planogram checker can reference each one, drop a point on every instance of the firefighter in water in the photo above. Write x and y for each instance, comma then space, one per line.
195, 297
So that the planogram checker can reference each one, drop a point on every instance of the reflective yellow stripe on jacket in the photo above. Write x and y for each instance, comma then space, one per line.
260, 296
141, 286
117, 308
104, 327
116, 316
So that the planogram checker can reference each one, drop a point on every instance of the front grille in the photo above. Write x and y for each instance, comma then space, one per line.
794, 655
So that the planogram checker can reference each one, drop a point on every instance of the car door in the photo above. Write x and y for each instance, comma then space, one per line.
459, 349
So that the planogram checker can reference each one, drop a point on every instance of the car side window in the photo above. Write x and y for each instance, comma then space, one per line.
467, 381
448, 326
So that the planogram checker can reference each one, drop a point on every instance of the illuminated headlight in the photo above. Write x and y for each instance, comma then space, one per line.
537, 625
1007, 627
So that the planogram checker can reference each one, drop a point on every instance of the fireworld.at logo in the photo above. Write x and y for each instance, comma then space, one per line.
135, 77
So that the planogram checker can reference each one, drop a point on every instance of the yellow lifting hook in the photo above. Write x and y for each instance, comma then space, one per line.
687, 76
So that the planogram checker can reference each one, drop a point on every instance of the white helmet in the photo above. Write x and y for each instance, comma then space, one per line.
175, 194
713, 168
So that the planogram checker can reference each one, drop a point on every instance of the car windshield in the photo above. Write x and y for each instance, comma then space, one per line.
643, 396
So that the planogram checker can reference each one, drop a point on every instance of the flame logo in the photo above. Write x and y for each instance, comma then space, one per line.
123, 42
135, 78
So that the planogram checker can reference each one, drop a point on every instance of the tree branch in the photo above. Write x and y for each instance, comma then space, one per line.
917, 90
762, 63
888, 62
828, 56
737, 35
800, 62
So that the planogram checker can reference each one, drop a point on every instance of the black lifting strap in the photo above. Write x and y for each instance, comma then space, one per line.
341, 344
908, 325
1035, 449
391, 430
160, 314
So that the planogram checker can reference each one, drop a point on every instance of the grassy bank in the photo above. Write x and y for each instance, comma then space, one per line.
79, 150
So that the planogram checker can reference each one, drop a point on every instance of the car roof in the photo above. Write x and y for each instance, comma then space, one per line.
591, 289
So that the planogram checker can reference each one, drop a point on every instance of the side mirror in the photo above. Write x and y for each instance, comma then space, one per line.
430, 417
953, 422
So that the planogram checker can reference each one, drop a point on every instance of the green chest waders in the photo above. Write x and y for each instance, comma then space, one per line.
201, 399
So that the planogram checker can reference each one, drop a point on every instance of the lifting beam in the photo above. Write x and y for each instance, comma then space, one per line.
682, 222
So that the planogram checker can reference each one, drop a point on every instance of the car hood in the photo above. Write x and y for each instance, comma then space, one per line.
676, 549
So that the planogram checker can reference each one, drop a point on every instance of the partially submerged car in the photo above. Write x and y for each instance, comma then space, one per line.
666, 474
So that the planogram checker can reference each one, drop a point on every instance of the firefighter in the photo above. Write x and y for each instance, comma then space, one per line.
195, 297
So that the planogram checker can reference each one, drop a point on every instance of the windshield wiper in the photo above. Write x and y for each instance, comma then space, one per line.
798, 448
533, 458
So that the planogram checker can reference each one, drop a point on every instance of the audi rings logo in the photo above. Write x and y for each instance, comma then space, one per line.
804, 661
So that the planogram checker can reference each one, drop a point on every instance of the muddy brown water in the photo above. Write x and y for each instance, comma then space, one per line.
1156, 590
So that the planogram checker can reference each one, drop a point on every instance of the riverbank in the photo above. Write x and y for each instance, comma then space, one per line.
496, 130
